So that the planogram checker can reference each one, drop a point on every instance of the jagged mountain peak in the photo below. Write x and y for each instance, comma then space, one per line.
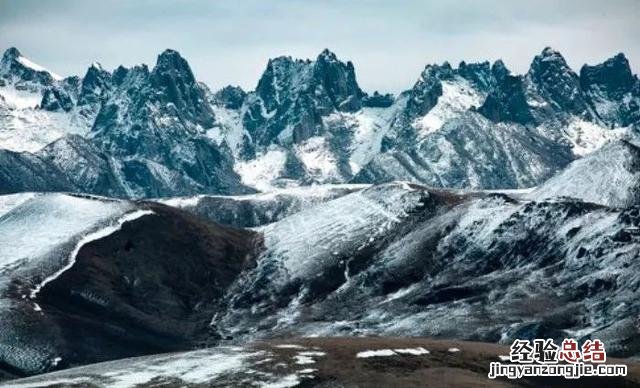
327, 55
96, 65
230, 96
613, 76
171, 60
499, 69
95, 82
11, 53
549, 60
14, 64
285, 79
550, 52
558, 84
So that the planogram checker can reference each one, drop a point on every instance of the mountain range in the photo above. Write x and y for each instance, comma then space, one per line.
142, 213
140, 133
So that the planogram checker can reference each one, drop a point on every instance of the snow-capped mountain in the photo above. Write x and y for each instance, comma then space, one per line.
480, 126
144, 132
134, 133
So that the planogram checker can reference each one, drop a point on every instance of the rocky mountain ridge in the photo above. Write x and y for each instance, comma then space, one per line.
143, 132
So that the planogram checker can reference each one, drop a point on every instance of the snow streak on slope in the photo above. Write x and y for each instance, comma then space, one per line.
97, 235
229, 128
367, 128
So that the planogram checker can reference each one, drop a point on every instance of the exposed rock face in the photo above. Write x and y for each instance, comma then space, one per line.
230, 97
293, 95
95, 84
557, 84
143, 135
308, 121
613, 90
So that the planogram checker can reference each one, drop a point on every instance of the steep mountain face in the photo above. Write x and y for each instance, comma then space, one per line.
295, 94
159, 132
551, 79
153, 125
613, 90
15, 68
134, 133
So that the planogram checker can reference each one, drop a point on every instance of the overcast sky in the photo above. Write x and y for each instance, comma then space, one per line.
229, 42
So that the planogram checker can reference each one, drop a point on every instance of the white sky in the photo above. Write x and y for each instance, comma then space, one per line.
229, 42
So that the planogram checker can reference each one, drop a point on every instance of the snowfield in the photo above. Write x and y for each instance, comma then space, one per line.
46, 222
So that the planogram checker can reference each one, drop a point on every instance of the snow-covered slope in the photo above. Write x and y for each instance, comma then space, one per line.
78, 277
23, 125
40, 235
471, 151
347, 223
609, 176
439, 263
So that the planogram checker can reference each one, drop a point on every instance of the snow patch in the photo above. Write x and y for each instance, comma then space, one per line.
376, 353
262, 172
318, 160
586, 137
45, 222
290, 346
412, 351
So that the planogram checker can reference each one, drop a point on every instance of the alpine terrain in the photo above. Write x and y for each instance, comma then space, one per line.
154, 232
